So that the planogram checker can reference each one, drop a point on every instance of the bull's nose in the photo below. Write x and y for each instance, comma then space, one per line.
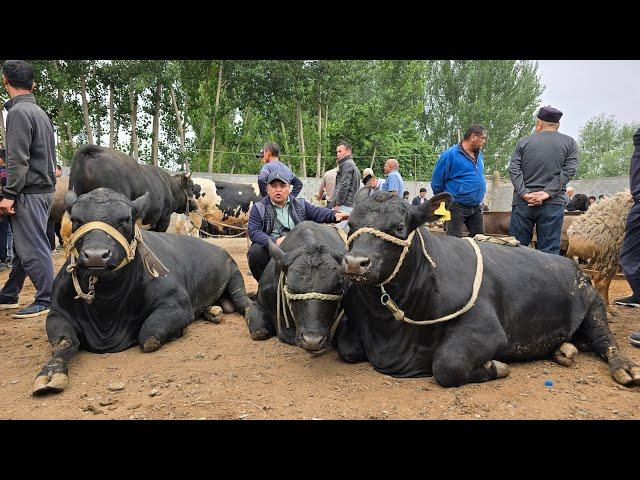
355, 265
312, 342
95, 257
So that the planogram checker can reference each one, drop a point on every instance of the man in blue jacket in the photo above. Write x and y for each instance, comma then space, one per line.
277, 214
269, 156
460, 172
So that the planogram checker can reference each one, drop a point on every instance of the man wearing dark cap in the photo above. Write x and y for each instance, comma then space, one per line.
269, 156
275, 215
541, 166
28, 194
421, 198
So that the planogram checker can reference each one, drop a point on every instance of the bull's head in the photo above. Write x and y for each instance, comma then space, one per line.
98, 251
189, 189
372, 259
311, 269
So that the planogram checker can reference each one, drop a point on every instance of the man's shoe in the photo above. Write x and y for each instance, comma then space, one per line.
629, 301
634, 338
32, 310
8, 305
3, 267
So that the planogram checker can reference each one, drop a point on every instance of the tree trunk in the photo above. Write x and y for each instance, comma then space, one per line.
2, 132
373, 158
155, 132
134, 112
112, 137
85, 109
215, 117
183, 148
326, 122
62, 119
245, 123
286, 143
319, 171
220, 157
303, 162
98, 110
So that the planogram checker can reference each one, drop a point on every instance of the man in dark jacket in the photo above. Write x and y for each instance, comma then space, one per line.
421, 198
540, 168
4, 220
28, 194
269, 156
347, 182
277, 214
630, 251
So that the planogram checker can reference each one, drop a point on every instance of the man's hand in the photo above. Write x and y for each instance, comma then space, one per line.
6, 207
535, 199
279, 240
340, 216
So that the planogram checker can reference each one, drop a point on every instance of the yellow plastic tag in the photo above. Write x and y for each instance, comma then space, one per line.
445, 215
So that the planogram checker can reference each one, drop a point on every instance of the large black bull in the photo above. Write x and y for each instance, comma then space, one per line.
113, 294
94, 167
529, 304
304, 275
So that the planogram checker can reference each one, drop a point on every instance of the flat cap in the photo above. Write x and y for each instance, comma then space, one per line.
549, 114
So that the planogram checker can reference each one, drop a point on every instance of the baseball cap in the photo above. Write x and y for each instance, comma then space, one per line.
277, 176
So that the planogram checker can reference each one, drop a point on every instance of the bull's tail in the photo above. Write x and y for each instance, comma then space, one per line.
235, 288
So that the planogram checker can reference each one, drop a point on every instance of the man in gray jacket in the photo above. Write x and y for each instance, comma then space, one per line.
28, 194
347, 182
540, 168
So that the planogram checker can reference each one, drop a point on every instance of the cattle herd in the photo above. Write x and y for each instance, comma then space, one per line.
393, 293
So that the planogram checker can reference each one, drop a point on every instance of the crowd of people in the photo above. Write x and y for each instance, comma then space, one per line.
540, 167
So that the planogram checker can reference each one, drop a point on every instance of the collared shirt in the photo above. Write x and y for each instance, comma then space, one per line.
283, 217
394, 183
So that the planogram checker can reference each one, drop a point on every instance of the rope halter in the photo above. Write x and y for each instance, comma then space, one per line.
150, 261
385, 298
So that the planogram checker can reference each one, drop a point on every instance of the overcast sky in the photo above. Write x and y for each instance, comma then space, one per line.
582, 89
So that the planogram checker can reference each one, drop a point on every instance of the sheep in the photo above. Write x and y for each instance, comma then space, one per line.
597, 236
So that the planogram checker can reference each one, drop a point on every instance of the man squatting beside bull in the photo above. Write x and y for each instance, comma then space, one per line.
28, 193
460, 172
541, 166
275, 215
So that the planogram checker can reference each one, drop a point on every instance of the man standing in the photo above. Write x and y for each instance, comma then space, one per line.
540, 168
630, 251
4, 220
421, 198
28, 194
347, 182
394, 182
328, 185
460, 172
276, 215
269, 156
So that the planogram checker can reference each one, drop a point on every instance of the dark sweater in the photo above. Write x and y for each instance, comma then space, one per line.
544, 161
31, 153
347, 182
634, 169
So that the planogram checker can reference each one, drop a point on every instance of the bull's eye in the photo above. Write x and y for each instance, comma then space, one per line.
400, 227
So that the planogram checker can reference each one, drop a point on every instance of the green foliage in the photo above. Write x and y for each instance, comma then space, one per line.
605, 147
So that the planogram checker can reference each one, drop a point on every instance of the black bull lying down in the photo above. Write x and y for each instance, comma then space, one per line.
529, 304
119, 293
300, 291
94, 167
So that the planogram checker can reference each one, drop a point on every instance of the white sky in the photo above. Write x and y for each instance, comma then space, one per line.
582, 89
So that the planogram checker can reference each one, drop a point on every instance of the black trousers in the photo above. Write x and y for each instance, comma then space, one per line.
464, 215
258, 258
4, 237
630, 251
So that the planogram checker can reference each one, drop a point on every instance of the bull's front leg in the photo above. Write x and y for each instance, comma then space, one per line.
162, 224
348, 343
171, 315
53, 378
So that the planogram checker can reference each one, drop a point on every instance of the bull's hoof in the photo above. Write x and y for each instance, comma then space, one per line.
624, 371
213, 314
151, 344
260, 334
564, 355
502, 369
43, 384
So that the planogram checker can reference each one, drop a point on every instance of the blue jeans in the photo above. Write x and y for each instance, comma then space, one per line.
548, 221
630, 251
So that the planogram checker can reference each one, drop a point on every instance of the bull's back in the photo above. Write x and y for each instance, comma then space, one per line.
95, 167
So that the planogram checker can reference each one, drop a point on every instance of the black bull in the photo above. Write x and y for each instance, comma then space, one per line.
310, 256
94, 167
530, 304
130, 306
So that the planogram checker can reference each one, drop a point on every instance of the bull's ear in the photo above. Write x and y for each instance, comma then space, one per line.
187, 175
362, 194
141, 205
338, 256
70, 198
426, 212
277, 254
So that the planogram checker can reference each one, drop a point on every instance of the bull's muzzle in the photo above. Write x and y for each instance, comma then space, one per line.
95, 258
355, 264
312, 341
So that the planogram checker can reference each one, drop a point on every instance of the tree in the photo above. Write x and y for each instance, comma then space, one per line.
605, 147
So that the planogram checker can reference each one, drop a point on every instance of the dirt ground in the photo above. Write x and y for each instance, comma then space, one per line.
218, 372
